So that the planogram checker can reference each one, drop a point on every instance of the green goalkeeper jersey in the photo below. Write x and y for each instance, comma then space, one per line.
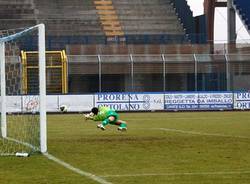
104, 113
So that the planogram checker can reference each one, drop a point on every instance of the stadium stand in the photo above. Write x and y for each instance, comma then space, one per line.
18, 13
87, 22
112, 31
72, 18
148, 17
242, 6
186, 17
150, 21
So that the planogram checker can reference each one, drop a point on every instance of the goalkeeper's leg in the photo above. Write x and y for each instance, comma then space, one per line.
122, 125
106, 122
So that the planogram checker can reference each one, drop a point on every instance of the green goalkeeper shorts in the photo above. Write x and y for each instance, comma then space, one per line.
114, 114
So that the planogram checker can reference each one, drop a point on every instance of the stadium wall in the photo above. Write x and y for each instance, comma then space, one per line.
174, 101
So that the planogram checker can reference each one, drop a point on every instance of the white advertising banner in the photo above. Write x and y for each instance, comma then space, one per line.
199, 101
181, 101
134, 101
14, 103
30, 103
76, 103
131, 101
215, 100
52, 104
242, 100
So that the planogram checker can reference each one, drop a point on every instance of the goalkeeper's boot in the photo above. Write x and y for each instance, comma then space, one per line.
101, 127
122, 129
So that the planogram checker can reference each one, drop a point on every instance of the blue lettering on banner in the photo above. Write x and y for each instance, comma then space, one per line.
113, 97
121, 107
198, 101
243, 96
242, 105
124, 102
242, 100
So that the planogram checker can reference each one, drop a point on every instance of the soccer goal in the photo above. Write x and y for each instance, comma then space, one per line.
23, 117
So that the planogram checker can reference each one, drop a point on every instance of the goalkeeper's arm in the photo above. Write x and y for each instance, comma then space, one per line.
89, 116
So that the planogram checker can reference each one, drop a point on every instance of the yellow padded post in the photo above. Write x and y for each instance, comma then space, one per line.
56, 67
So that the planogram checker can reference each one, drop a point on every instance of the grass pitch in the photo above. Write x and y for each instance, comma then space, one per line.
158, 148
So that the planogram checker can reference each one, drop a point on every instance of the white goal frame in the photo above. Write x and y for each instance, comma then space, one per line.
42, 83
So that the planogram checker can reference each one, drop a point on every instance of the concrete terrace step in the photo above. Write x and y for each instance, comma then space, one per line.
162, 12
16, 2
60, 7
69, 16
159, 27
15, 6
146, 18
144, 7
72, 29
69, 3
16, 24
146, 25
142, 2
69, 21
15, 11
152, 32
149, 22
75, 33
17, 16
60, 11
13, 21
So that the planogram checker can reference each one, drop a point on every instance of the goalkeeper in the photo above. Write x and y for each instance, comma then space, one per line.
106, 116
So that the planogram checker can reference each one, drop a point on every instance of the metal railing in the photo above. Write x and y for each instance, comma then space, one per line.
155, 73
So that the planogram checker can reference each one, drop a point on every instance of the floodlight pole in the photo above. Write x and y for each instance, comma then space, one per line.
100, 72
227, 72
195, 72
164, 72
132, 71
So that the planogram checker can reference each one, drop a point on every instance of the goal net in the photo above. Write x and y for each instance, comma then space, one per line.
23, 116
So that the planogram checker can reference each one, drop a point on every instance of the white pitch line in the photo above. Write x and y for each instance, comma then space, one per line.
23, 143
178, 174
76, 170
185, 118
200, 133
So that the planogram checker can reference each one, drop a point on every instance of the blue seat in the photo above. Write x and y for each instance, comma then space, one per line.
243, 8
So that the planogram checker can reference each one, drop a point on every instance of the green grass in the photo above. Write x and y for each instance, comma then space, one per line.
158, 148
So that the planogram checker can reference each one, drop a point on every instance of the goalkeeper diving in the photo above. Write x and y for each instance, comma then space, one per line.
107, 116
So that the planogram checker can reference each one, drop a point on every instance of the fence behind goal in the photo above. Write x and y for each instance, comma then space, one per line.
158, 73
22, 131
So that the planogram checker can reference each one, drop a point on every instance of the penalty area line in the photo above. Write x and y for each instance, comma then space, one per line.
199, 133
179, 174
76, 170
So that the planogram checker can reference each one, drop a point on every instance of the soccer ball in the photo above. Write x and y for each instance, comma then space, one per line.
63, 108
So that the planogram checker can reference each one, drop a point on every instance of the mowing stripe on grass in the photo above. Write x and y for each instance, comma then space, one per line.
76, 170
178, 174
199, 133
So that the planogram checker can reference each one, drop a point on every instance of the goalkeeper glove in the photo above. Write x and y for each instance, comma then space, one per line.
88, 116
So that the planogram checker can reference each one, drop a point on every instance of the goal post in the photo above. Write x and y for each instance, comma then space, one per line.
42, 86
23, 117
3, 90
